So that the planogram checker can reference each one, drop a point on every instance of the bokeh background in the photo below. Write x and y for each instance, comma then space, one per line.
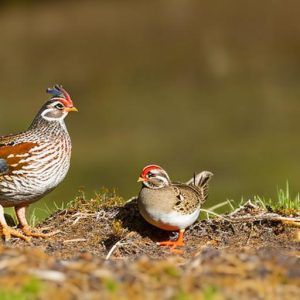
189, 85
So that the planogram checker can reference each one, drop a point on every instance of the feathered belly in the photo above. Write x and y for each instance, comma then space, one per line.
169, 221
157, 207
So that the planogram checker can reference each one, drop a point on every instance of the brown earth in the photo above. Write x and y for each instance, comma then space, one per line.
111, 253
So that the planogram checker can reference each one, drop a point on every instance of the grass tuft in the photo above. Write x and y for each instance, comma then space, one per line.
284, 204
105, 198
117, 228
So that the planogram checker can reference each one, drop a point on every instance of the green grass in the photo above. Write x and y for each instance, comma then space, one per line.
30, 290
102, 199
284, 203
209, 292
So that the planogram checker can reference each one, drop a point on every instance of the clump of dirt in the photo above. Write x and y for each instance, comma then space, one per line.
110, 248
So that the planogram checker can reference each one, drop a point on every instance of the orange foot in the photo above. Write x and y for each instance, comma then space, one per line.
174, 244
28, 231
8, 232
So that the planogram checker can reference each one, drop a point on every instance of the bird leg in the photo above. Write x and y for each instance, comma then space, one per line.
7, 231
21, 215
173, 244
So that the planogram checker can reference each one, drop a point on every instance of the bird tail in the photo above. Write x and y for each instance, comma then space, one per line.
201, 180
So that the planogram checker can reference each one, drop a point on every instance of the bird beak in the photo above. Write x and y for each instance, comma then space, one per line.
69, 109
141, 179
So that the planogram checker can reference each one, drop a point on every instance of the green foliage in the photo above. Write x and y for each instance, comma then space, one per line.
117, 228
33, 218
102, 199
208, 292
111, 285
211, 292
284, 203
28, 291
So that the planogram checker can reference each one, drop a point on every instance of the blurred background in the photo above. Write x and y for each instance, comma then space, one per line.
189, 85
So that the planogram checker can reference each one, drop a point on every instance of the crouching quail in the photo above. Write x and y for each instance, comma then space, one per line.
171, 206
34, 162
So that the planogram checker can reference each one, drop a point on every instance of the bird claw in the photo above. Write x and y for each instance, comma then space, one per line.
28, 231
8, 232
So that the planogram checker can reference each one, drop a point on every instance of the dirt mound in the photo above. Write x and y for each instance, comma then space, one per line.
112, 250
96, 232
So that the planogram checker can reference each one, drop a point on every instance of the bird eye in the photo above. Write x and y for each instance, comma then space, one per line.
59, 106
150, 174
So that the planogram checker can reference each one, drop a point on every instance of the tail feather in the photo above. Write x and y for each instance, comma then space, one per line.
201, 180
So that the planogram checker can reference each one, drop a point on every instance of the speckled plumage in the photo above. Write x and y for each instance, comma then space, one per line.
171, 206
34, 162
38, 160
180, 198
177, 197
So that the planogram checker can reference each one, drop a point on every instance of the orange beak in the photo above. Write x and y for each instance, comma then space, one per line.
141, 179
69, 109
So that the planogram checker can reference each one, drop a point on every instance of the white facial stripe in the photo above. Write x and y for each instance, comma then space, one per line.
49, 110
157, 180
160, 173
162, 179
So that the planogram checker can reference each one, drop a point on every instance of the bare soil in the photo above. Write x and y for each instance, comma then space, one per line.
111, 253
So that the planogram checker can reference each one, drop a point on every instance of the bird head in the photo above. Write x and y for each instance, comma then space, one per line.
59, 105
154, 177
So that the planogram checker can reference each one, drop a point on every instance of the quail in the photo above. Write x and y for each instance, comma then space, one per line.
170, 205
35, 161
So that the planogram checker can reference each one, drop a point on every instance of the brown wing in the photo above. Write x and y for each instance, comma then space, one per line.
12, 156
188, 198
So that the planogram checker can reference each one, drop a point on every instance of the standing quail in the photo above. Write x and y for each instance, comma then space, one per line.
34, 162
171, 206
